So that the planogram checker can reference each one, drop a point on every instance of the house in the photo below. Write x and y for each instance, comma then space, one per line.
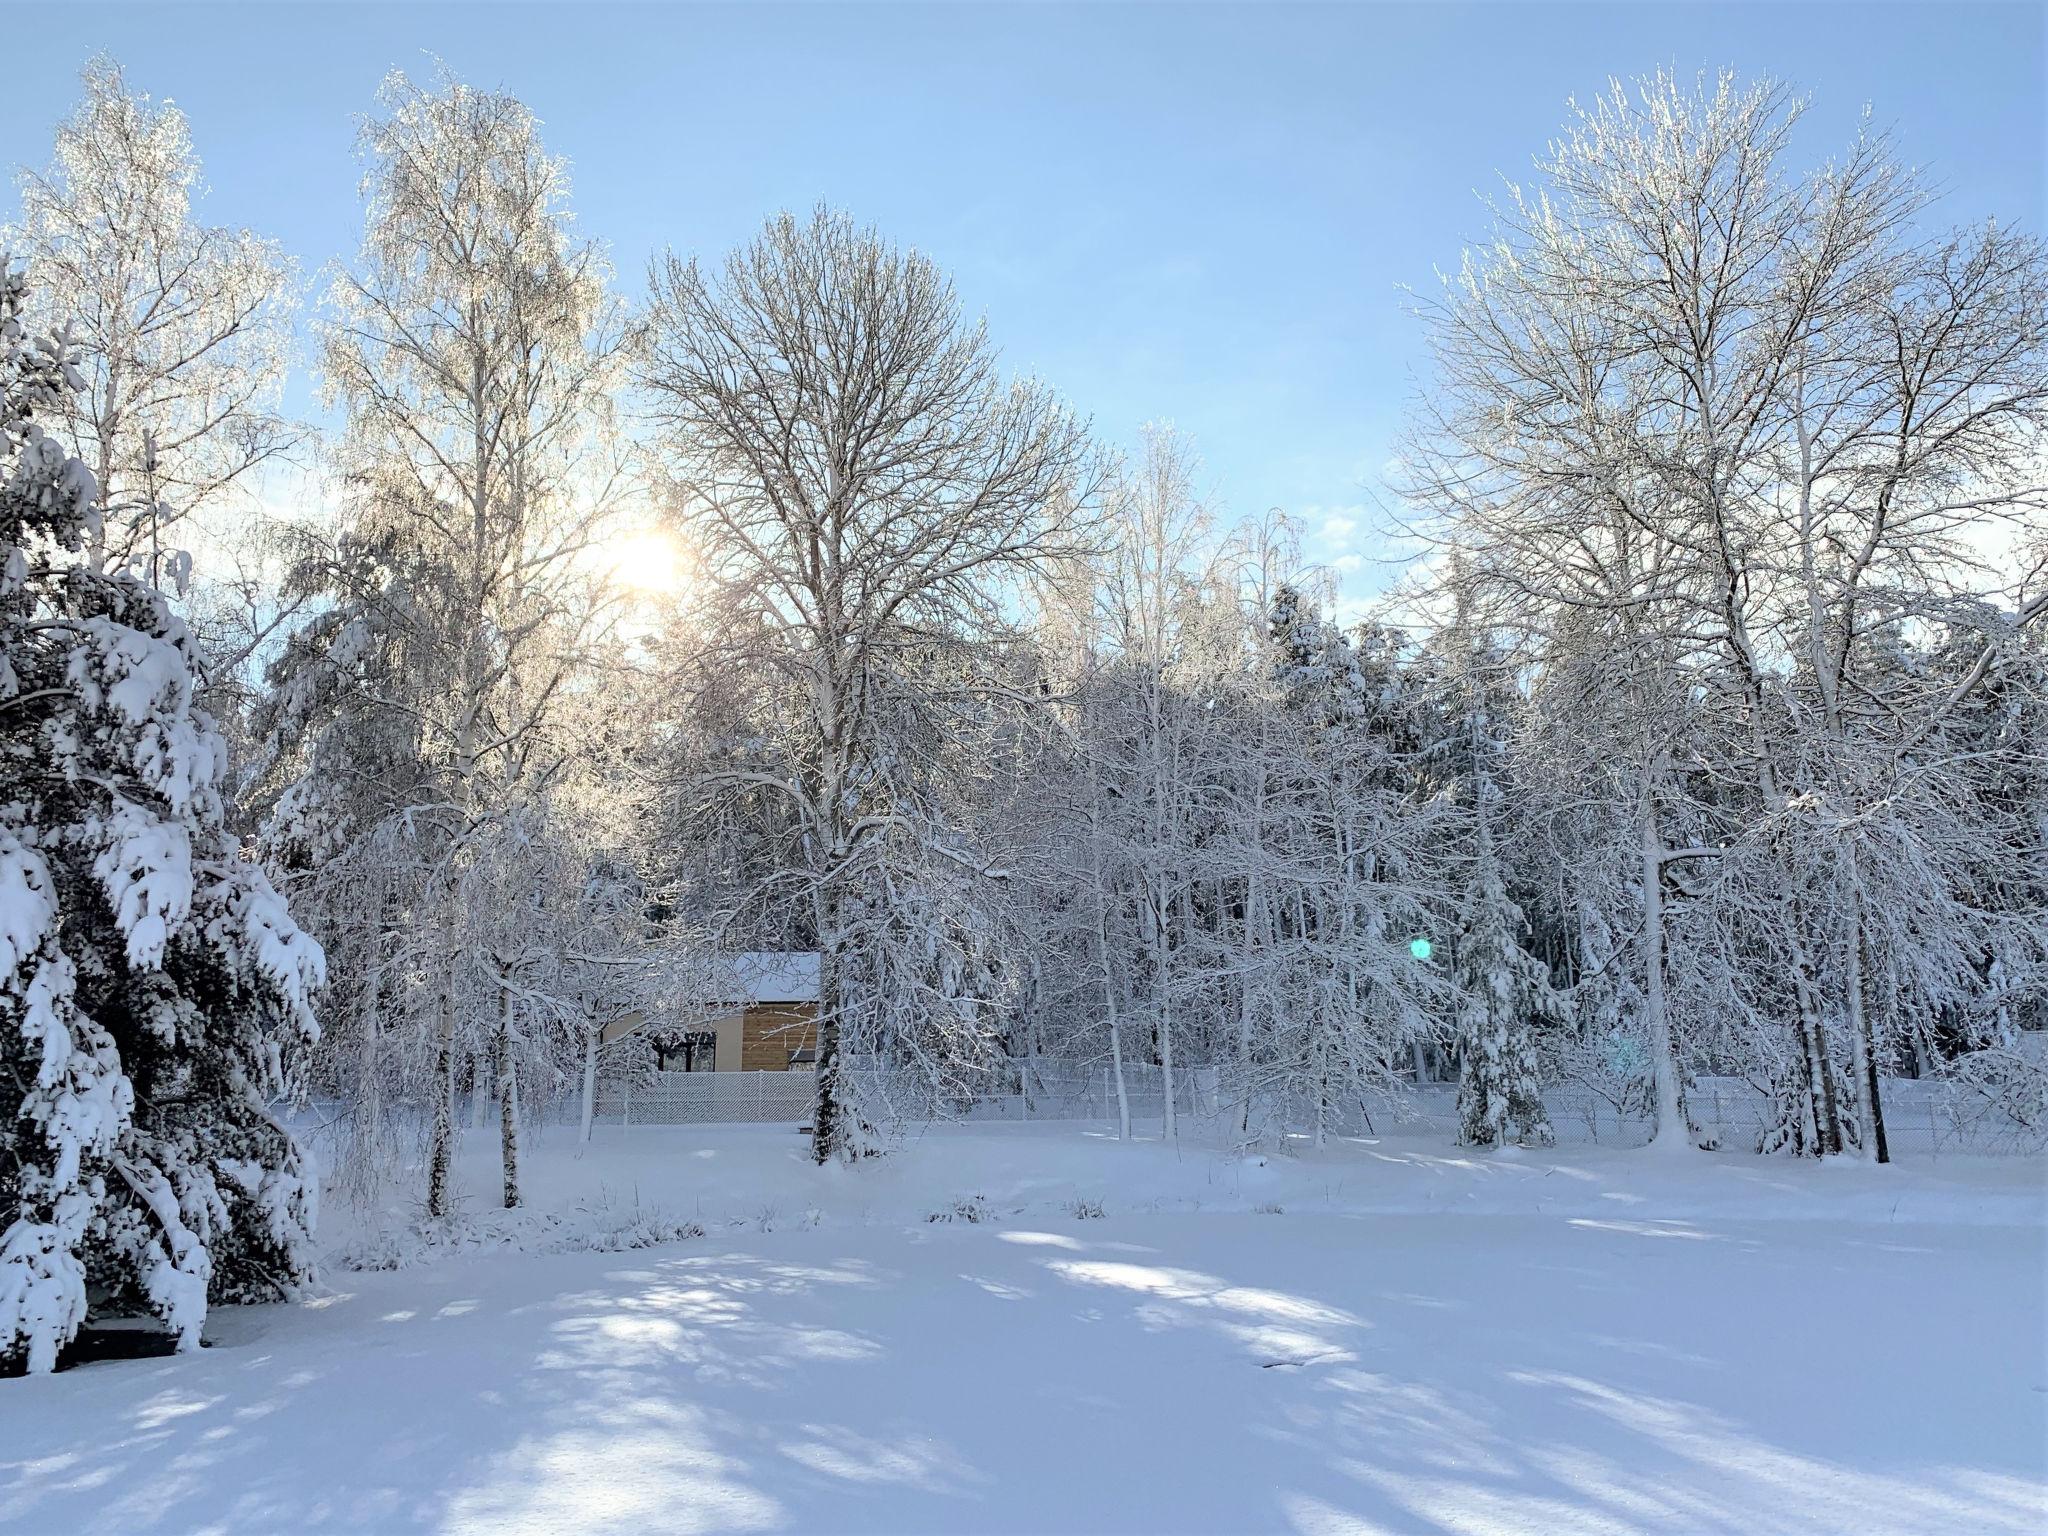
768, 1024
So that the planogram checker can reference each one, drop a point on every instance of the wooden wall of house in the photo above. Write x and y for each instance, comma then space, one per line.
773, 1030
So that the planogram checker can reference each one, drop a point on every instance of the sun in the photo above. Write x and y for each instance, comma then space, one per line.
645, 560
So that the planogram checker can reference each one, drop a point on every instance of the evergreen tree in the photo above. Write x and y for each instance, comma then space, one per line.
1501, 987
1351, 885
152, 985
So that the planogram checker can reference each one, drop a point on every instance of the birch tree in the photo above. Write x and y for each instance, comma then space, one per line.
185, 329
1155, 603
473, 349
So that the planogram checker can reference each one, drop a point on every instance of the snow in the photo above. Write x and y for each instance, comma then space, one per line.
778, 976
1378, 1337
27, 910
257, 923
145, 865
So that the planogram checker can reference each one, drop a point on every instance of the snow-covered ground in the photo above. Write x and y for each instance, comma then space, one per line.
1380, 1337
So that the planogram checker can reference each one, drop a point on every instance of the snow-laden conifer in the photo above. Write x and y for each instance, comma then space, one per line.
152, 984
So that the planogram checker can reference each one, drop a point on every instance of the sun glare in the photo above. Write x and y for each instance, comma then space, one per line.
646, 560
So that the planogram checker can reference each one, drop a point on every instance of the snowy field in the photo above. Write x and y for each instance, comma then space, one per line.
1381, 1337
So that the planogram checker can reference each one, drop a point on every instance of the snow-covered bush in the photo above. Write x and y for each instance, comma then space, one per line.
153, 986
598, 1226
1999, 1095
972, 1209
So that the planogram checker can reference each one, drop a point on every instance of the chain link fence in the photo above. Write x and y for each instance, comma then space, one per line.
698, 1098
1922, 1118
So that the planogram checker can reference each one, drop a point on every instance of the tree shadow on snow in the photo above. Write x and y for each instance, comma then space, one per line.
1349, 1376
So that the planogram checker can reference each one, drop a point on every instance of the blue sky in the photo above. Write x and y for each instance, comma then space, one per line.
1198, 213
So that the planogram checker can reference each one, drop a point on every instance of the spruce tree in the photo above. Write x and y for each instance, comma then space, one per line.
1501, 987
153, 987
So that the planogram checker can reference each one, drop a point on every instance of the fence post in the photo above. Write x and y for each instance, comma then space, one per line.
626, 1105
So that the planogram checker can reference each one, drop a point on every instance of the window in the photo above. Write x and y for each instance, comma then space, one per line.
696, 1051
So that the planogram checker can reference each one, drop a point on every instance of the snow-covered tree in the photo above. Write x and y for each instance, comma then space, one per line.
1361, 808
867, 493
153, 987
1733, 421
1157, 626
184, 328
423, 718
1501, 989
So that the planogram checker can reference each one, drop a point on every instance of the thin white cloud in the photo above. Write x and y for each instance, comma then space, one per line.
1338, 524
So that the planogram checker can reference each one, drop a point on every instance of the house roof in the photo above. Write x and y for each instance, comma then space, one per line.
778, 976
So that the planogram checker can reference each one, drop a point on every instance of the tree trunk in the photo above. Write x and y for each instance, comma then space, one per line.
444, 1102
1884, 1151
369, 1109
1156, 900
1254, 911
1823, 1111
1322, 1088
1863, 1046
1255, 935
1116, 1041
1672, 1134
1116, 1045
508, 1105
825, 1116
1116, 1069
1031, 1080
589, 1080
1163, 1002
826, 1135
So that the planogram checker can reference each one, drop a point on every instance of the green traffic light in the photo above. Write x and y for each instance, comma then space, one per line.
1421, 949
